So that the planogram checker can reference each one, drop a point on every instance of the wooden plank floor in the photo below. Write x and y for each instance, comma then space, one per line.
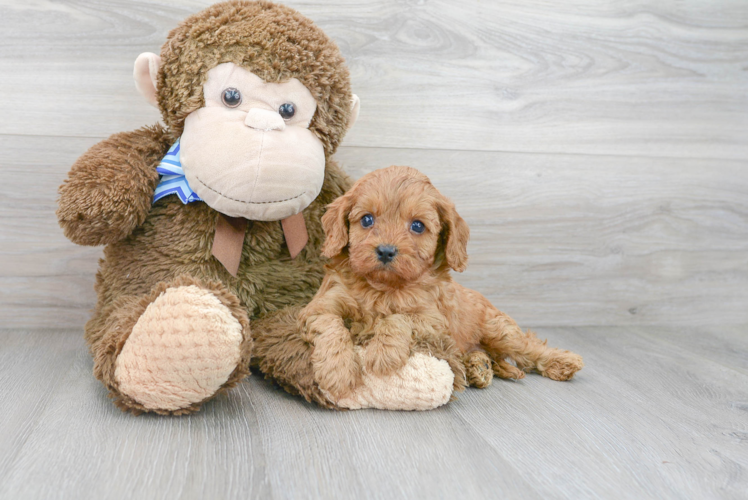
656, 413
598, 151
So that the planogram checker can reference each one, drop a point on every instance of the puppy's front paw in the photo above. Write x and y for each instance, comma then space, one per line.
337, 373
385, 355
478, 369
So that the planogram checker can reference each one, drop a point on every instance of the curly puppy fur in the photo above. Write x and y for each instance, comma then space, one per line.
107, 198
388, 305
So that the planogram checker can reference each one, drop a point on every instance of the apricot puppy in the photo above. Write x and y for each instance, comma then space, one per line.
392, 240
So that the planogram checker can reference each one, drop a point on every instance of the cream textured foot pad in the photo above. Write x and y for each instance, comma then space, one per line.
424, 383
181, 351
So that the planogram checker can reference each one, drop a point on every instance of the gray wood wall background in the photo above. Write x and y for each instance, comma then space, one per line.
597, 149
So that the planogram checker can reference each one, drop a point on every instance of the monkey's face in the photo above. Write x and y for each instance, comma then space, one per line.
249, 152
255, 129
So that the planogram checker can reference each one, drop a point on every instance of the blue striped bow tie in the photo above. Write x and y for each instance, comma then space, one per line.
173, 180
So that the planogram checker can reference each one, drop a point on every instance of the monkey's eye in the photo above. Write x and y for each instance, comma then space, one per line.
231, 97
417, 227
367, 220
287, 110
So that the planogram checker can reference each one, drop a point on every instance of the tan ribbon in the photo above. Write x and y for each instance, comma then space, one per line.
229, 241
230, 232
294, 229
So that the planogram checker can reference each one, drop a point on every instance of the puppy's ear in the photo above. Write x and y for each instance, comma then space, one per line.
335, 224
455, 235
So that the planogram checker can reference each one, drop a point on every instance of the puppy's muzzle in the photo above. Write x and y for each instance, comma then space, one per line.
386, 253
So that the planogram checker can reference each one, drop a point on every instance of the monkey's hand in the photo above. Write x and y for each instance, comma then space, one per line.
109, 190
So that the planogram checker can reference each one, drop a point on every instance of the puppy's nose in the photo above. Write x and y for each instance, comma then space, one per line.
385, 253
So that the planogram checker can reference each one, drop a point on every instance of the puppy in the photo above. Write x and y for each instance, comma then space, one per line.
392, 240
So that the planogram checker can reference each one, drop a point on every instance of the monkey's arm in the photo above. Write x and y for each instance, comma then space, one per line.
109, 190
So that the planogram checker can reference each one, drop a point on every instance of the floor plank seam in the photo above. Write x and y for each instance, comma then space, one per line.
456, 150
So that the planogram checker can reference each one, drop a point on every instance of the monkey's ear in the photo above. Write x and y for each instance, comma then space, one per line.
146, 76
355, 108
455, 235
335, 224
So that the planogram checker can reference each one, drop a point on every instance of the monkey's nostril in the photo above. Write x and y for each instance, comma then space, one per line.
385, 253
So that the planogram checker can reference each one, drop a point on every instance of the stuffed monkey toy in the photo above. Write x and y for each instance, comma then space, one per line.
213, 220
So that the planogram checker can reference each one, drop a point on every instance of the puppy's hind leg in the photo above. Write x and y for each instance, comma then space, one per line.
503, 369
502, 338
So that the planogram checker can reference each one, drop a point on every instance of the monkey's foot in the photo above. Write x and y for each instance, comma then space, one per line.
424, 383
182, 349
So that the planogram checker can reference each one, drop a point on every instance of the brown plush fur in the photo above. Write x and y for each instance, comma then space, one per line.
413, 294
275, 42
283, 352
107, 198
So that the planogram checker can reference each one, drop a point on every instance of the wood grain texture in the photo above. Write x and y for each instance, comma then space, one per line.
648, 413
556, 239
665, 78
631, 237
650, 416
33, 367
598, 151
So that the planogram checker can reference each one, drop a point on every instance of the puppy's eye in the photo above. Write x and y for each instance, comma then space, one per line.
417, 227
231, 97
367, 220
287, 110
